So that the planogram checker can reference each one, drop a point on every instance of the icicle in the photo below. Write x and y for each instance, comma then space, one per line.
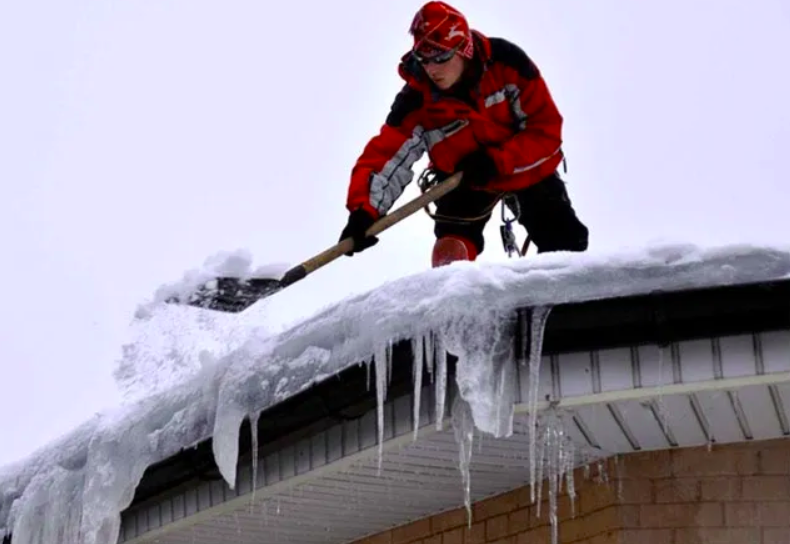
389, 361
538, 317
430, 350
417, 349
225, 444
619, 469
556, 457
52, 509
554, 475
463, 427
482, 342
539, 457
382, 361
505, 395
441, 381
603, 474
569, 467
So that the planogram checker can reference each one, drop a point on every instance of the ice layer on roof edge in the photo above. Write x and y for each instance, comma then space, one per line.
80, 497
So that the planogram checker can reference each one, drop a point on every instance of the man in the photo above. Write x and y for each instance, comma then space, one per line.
476, 104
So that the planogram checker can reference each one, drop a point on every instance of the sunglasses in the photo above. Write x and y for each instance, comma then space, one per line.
437, 58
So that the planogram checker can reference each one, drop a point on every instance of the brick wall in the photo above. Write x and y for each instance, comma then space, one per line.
733, 494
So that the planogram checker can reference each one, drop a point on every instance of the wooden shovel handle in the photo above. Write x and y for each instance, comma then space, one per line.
385, 222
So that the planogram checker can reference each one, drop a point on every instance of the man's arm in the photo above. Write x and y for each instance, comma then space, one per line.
539, 135
383, 170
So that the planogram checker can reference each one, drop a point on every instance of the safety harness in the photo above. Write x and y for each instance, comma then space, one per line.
431, 177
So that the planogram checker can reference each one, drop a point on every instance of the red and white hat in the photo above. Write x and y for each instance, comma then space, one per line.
439, 27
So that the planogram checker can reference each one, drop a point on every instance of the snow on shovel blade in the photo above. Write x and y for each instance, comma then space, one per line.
226, 282
229, 294
233, 294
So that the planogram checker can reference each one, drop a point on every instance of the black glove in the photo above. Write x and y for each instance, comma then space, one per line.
478, 168
359, 221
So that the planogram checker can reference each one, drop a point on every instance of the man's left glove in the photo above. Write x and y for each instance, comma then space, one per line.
478, 168
359, 221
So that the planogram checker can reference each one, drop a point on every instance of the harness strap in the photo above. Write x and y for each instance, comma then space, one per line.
429, 178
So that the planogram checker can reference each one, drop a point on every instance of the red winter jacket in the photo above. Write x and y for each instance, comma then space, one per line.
508, 109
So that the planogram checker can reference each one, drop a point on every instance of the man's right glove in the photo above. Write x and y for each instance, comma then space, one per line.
359, 221
478, 168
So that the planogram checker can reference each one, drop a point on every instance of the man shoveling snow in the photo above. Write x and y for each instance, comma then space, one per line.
479, 107
475, 104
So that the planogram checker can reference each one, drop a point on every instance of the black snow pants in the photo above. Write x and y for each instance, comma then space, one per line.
546, 212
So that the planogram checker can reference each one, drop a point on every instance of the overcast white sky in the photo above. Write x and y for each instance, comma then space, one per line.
137, 138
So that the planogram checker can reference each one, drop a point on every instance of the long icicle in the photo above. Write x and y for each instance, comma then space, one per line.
440, 380
538, 317
463, 428
419, 358
381, 362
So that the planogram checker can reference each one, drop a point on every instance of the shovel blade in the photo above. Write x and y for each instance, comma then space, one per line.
232, 295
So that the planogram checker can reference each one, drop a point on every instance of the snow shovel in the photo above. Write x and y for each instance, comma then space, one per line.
232, 294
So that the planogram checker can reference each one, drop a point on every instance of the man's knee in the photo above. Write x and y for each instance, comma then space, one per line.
549, 217
470, 232
449, 249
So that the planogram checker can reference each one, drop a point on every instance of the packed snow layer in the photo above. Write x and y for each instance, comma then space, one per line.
74, 489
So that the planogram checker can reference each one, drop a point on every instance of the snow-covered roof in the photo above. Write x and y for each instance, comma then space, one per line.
80, 483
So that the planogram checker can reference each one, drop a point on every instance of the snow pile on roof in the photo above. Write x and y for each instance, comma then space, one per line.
74, 489
170, 345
